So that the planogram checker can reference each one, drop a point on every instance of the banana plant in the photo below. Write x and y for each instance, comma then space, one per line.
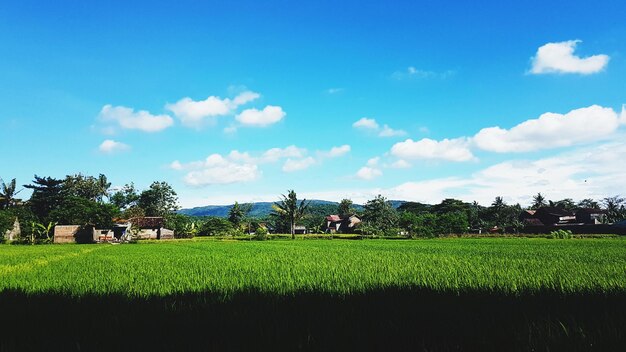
41, 231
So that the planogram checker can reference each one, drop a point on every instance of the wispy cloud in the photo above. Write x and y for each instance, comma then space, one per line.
414, 73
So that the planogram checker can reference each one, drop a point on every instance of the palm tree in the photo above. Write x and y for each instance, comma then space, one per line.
103, 185
7, 193
538, 201
289, 209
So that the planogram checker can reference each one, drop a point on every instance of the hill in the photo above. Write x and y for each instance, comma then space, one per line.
259, 209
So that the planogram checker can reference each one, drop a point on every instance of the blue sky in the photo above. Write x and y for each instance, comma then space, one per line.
146, 91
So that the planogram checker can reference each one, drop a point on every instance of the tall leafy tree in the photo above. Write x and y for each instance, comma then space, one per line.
7, 193
588, 203
380, 214
615, 208
87, 187
345, 207
238, 213
158, 200
289, 209
47, 195
125, 198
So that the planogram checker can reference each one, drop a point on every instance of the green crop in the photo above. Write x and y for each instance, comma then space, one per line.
224, 268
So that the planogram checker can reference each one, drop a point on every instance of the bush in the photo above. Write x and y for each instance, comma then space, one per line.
560, 234
260, 233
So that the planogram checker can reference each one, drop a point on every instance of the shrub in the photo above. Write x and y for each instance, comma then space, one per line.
560, 234
260, 233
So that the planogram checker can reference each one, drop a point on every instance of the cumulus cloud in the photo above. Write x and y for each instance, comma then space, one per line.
193, 113
217, 169
559, 58
623, 115
551, 130
335, 152
261, 118
292, 165
110, 146
127, 118
373, 161
368, 173
366, 123
390, 132
275, 154
447, 149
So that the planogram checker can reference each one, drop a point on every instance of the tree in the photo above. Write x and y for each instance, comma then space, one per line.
158, 200
215, 226
565, 204
292, 211
126, 197
588, 203
454, 222
7, 193
47, 195
345, 207
238, 213
380, 214
87, 187
74, 210
538, 201
614, 208
450, 205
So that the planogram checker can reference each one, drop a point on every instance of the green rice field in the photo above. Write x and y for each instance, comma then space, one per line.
438, 294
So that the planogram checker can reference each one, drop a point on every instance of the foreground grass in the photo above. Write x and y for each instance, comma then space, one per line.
224, 268
431, 295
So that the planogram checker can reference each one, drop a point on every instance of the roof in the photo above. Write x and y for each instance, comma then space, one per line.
590, 211
333, 218
530, 211
533, 222
620, 223
554, 211
147, 221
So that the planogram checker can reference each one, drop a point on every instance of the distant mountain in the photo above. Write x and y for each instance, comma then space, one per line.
259, 209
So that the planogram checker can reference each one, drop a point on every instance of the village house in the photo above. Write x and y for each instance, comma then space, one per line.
341, 224
145, 227
590, 216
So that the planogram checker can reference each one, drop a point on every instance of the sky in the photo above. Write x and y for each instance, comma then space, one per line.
242, 100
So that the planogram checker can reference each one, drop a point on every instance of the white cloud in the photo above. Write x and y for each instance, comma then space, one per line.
447, 149
390, 132
336, 152
261, 118
110, 146
560, 58
414, 73
400, 164
368, 173
335, 90
142, 120
274, 154
551, 130
366, 123
292, 165
623, 115
223, 174
373, 161
193, 113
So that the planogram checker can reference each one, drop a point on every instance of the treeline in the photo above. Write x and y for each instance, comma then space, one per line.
87, 200
77, 200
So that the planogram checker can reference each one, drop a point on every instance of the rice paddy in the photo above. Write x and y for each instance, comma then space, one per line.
439, 294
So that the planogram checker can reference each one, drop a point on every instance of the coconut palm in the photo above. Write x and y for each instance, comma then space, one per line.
291, 210
7, 193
